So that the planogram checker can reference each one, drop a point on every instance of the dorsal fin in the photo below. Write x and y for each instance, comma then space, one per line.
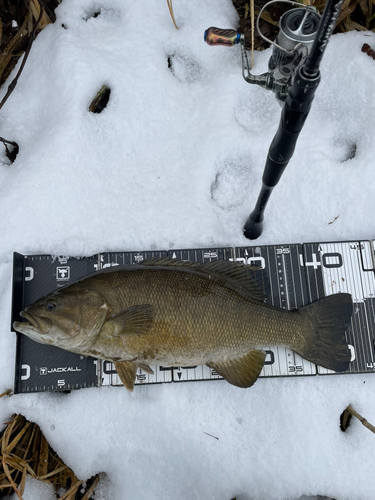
250, 281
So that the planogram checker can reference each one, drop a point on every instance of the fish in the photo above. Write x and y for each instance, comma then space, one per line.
167, 312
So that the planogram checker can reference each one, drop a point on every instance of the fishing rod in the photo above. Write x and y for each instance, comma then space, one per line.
293, 75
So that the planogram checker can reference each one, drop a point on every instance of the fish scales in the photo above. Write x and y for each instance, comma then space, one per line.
196, 318
179, 314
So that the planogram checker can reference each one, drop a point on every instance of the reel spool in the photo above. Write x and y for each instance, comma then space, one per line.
298, 29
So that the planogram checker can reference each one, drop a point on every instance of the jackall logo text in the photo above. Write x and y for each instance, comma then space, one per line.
45, 371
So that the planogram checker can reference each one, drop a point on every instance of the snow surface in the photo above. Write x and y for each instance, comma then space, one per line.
175, 161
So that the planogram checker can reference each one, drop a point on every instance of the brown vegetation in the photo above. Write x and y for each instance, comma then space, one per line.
26, 452
355, 15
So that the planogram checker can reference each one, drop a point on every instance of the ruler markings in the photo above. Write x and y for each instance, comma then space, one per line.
301, 276
295, 300
370, 309
316, 276
307, 366
365, 329
286, 305
286, 281
273, 260
352, 255
330, 280
272, 293
350, 277
363, 315
370, 275
361, 286
369, 292
312, 296
359, 299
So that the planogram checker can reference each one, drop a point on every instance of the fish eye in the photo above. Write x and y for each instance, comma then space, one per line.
50, 306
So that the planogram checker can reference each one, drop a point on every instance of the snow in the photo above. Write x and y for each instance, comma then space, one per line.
175, 161
36, 490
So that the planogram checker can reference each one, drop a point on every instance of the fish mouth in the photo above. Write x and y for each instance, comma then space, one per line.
33, 325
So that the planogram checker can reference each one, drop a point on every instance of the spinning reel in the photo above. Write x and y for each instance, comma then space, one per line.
298, 28
293, 76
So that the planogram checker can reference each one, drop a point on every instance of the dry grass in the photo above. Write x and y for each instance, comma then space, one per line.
346, 418
170, 7
13, 39
26, 452
355, 15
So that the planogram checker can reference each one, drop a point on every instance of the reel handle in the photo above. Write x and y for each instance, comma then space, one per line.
218, 36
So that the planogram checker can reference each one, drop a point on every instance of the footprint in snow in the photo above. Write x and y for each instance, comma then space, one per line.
184, 67
102, 14
232, 183
344, 149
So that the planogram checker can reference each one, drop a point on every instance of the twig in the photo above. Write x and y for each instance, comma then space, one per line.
252, 32
50, 474
349, 410
211, 436
12, 143
334, 220
88, 494
13, 484
15, 80
7, 53
9, 391
35, 6
12, 154
49, 12
70, 494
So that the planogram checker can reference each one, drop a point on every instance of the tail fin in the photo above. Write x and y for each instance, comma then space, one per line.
324, 341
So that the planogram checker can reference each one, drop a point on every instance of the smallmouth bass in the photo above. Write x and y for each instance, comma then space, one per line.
174, 313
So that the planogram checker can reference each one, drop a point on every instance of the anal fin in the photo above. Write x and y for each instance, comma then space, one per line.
243, 371
127, 371
146, 368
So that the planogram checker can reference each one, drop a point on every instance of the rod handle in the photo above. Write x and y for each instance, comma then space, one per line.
218, 36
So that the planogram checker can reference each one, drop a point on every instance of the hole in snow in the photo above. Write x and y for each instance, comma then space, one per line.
11, 151
317, 497
345, 420
184, 68
344, 149
101, 99
351, 151
104, 13
92, 14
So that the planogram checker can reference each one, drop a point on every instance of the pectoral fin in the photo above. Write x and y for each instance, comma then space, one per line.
127, 371
136, 320
241, 372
